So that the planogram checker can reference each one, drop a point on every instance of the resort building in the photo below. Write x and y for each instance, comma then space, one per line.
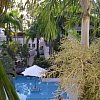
21, 39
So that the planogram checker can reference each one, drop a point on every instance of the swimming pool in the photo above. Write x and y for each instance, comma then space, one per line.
33, 88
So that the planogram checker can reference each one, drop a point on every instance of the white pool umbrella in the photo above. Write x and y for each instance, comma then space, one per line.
34, 71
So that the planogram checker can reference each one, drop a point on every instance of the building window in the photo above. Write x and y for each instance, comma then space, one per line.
29, 45
41, 48
33, 45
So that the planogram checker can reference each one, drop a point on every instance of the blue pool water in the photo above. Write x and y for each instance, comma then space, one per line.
34, 89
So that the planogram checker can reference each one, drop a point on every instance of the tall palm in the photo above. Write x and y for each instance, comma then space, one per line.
50, 12
11, 19
5, 85
6, 88
4, 5
35, 33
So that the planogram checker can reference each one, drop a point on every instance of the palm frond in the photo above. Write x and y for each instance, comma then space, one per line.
9, 18
6, 86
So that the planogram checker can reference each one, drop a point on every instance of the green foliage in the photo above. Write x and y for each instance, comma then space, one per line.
46, 14
94, 22
13, 18
55, 16
34, 30
24, 53
6, 87
56, 46
8, 63
24, 50
3, 4
41, 62
74, 33
13, 49
78, 68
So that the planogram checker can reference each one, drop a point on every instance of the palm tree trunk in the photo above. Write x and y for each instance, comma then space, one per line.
85, 31
38, 53
10, 38
7, 33
15, 33
50, 46
86, 8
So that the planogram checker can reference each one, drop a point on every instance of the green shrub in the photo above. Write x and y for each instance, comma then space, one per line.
13, 49
42, 62
8, 63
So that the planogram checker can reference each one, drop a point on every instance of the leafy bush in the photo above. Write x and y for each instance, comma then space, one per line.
78, 68
24, 53
41, 62
13, 49
8, 63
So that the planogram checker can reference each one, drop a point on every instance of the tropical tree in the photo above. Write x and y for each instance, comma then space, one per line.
6, 88
52, 11
24, 53
54, 17
86, 9
11, 19
13, 49
7, 63
4, 5
35, 33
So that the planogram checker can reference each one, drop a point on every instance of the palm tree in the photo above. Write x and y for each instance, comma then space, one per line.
11, 19
6, 88
3, 4
50, 12
35, 33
